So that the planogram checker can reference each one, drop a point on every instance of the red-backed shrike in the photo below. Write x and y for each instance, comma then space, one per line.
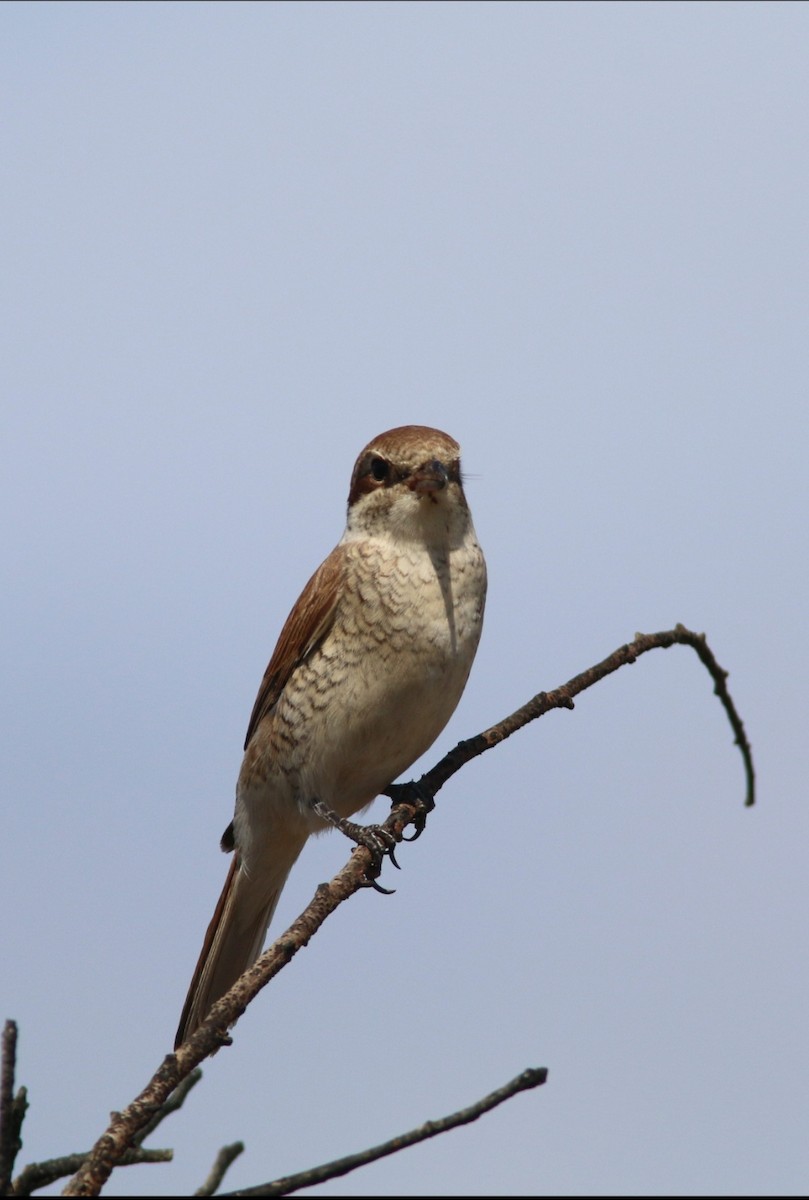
368, 669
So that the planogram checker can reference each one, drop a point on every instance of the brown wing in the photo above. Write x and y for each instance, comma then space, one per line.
305, 627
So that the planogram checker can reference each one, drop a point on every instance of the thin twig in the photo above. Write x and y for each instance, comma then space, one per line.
12, 1108
39, 1175
224, 1158
212, 1033
530, 1078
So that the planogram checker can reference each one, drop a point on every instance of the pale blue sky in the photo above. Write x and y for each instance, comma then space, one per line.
239, 240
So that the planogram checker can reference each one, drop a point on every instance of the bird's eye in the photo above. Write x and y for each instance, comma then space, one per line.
379, 469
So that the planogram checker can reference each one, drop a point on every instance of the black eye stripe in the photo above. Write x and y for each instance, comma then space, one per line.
373, 472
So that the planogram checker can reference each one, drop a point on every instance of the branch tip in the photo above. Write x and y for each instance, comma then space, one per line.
530, 1078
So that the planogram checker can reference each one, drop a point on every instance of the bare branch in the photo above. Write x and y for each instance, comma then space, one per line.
408, 807
175, 1101
12, 1108
39, 1175
562, 697
224, 1158
211, 1035
530, 1078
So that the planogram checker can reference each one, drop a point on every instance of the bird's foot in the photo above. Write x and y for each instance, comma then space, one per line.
378, 840
419, 797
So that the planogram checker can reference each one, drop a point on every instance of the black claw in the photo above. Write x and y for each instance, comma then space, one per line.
420, 797
378, 840
378, 887
419, 823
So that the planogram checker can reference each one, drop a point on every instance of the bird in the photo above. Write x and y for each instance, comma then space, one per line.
368, 669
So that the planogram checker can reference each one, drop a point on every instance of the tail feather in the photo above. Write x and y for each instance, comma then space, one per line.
234, 938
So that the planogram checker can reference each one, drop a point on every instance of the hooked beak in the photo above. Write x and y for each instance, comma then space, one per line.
430, 477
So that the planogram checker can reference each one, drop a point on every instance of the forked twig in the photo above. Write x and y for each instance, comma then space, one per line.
174, 1102
40, 1174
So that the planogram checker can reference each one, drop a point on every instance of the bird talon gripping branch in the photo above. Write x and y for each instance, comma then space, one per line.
378, 840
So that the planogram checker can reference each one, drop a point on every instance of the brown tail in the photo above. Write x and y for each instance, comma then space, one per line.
234, 939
